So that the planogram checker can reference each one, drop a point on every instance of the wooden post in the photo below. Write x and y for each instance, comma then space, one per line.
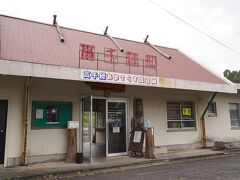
72, 145
204, 139
149, 148
138, 112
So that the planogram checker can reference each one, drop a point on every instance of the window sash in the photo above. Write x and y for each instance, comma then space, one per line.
234, 118
179, 120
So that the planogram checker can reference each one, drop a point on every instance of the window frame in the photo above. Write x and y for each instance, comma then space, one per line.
238, 110
214, 113
181, 119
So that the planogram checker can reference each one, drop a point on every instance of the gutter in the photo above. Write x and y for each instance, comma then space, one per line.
29, 69
202, 122
25, 120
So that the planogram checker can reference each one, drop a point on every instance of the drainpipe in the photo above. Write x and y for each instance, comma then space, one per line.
202, 122
25, 120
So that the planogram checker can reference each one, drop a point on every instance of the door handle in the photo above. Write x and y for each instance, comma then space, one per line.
1, 131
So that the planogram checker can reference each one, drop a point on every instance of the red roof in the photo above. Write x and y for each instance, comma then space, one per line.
29, 41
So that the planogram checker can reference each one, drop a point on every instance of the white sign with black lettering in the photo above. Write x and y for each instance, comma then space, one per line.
116, 129
137, 136
39, 113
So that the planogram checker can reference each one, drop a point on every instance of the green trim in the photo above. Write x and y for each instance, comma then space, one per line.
64, 114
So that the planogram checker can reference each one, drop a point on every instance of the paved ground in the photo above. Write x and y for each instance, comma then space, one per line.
102, 164
221, 168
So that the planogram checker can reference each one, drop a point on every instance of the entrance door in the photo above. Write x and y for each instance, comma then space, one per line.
87, 128
3, 122
116, 128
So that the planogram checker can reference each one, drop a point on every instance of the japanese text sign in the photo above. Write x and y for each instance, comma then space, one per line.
118, 78
87, 52
186, 111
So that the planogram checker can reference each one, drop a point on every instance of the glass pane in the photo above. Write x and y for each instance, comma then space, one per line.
173, 111
188, 124
99, 128
235, 123
233, 108
187, 110
52, 114
116, 127
174, 124
87, 131
211, 108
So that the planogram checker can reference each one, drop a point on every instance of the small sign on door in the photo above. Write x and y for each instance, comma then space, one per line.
116, 129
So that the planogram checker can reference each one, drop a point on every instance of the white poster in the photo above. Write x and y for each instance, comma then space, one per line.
137, 136
116, 129
39, 113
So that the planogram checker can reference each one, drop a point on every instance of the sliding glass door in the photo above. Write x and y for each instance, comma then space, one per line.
116, 127
87, 128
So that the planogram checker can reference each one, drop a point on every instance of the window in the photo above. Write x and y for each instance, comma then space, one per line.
51, 114
212, 109
234, 110
180, 115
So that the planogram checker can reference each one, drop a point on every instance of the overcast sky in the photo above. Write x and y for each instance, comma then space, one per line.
134, 19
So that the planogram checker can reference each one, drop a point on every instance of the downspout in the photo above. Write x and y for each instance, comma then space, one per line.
202, 122
25, 120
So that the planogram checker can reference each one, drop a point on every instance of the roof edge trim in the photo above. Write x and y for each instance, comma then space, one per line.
17, 68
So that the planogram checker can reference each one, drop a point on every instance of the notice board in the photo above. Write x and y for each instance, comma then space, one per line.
136, 140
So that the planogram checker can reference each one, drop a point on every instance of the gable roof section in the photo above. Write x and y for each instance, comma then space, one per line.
28, 41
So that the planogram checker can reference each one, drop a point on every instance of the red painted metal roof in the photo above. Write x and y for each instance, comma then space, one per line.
29, 41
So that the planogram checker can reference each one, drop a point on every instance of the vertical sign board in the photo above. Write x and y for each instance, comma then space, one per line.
136, 141
138, 112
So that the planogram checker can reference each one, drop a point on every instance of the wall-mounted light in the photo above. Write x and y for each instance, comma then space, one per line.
113, 40
156, 49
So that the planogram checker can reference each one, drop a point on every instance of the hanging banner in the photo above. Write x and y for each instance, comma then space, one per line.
118, 78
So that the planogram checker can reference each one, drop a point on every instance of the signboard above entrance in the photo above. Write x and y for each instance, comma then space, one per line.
118, 78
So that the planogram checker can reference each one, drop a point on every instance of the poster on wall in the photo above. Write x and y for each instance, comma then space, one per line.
39, 113
186, 111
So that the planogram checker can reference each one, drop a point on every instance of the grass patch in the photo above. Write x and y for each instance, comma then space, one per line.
85, 173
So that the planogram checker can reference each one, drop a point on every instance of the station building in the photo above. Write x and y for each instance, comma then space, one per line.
50, 75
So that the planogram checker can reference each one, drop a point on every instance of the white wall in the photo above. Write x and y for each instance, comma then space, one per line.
154, 101
53, 141
219, 128
11, 88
